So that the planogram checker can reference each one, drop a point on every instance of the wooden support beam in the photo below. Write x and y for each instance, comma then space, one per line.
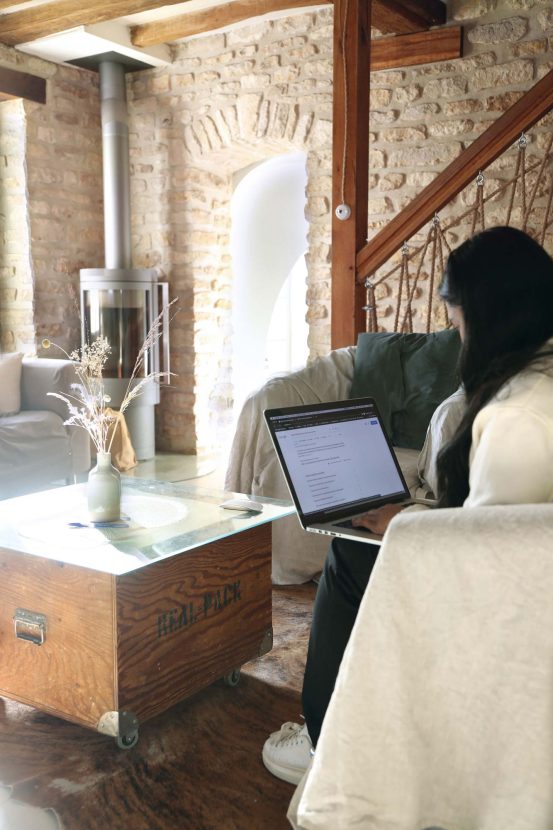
388, 16
402, 16
350, 154
50, 18
22, 85
533, 105
398, 16
207, 20
443, 44
386, 53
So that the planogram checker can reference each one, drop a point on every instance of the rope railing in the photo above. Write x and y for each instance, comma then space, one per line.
408, 285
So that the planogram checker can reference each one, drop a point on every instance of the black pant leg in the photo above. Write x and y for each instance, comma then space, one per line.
343, 581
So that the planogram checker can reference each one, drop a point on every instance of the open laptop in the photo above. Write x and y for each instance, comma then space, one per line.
338, 463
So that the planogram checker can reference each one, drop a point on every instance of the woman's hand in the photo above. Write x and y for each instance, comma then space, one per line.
378, 520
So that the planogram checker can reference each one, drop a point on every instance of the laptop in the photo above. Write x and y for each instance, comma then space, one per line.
338, 463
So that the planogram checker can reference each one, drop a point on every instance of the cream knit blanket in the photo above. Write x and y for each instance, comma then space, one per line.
442, 714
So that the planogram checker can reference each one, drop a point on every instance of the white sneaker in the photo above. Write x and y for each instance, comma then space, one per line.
287, 753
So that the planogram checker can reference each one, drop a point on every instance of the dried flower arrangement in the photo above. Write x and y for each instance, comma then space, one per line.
89, 406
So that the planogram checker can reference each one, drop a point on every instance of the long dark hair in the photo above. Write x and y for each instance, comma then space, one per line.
503, 282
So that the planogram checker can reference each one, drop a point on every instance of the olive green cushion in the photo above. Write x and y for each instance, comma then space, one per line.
409, 375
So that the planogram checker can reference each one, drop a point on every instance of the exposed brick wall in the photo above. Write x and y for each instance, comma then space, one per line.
438, 109
52, 186
64, 173
251, 115
16, 285
230, 100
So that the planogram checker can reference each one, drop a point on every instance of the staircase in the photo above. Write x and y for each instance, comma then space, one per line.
501, 135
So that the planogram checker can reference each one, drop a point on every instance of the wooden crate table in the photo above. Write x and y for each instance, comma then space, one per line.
109, 627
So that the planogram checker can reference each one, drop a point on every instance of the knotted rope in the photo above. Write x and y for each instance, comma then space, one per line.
436, 238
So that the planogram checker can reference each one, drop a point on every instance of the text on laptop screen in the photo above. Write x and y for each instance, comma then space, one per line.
337, 457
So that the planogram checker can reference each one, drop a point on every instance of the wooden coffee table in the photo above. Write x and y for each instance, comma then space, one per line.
108, 628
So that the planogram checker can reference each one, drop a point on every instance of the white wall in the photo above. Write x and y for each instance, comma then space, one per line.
268, 236
286, 346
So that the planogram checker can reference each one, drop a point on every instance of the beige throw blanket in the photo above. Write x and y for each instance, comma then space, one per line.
443, 711
254, 468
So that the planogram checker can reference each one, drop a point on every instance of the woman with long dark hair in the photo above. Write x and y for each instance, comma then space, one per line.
498, 289
499, 285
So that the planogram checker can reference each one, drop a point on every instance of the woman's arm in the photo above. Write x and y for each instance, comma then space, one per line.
511, 460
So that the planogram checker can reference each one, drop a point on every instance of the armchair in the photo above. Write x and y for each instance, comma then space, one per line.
254, 467
409, 375
442, 712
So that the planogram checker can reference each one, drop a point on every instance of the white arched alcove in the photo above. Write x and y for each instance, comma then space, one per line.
268, 239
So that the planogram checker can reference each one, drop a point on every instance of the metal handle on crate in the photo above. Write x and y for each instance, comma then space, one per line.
165, 332
30, 626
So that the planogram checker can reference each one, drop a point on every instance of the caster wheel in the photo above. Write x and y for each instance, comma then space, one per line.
128, 740
232, 678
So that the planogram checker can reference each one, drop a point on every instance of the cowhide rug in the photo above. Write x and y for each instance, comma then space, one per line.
196, 767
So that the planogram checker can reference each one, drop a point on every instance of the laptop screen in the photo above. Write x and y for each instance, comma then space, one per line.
336, 456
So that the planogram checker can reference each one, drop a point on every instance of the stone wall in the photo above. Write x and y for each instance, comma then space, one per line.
16, 285
65, 202
51, 180
232, 99
228, 101
430, 113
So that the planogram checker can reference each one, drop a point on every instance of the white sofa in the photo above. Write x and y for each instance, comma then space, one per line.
36, 449
442, 715
254, 467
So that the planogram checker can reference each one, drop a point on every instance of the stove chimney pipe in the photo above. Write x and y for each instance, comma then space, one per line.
115, 143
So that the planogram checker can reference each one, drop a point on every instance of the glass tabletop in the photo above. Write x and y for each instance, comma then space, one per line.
158, 520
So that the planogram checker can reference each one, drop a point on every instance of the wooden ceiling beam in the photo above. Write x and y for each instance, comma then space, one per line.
403, 16
207, 20
22, 85
388, 16
50, 18
386, 52
443, 44
398, 16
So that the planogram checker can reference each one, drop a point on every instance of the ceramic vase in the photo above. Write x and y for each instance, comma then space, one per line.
104, 490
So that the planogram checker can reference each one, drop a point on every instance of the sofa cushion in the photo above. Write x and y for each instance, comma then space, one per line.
10, 383
409, 375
